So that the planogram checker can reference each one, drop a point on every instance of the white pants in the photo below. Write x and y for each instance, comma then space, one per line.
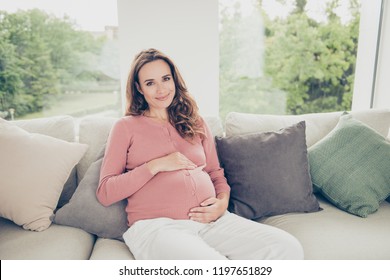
230, 237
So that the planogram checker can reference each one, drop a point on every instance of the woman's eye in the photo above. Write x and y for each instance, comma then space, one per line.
149, 84
167, 78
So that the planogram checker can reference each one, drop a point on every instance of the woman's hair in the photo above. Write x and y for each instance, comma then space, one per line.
182, 112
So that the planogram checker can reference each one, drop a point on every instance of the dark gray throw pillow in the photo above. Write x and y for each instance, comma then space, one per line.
268, 172
84, 211
69, 189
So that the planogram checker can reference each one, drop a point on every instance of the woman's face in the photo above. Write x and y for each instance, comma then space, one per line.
156, 84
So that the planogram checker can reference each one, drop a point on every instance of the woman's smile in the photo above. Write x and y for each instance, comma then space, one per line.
163, 98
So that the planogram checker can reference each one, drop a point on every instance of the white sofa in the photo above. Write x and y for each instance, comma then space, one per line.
328, 234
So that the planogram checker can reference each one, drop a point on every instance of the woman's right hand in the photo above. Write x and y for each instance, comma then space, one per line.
171, 162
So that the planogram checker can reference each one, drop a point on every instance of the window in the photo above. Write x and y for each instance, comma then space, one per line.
56, 57
288, 56
275, 56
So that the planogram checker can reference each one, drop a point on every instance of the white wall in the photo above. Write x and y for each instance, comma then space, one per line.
382, 92
185, 30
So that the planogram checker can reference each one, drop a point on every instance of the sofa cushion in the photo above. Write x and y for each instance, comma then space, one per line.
109, 249
318, 125
61, 127
333, 234
84, 211
94, 132
268, 172
34, 169
55, 243
215, 125
351, 167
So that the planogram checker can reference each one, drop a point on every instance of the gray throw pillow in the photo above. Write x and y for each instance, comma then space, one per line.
84, 211
69, 189
268, 172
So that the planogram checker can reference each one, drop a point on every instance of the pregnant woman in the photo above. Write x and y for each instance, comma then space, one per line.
161, 157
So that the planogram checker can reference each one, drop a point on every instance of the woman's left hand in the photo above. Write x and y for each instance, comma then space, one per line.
210, 209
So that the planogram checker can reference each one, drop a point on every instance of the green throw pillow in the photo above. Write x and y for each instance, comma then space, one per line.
351, 167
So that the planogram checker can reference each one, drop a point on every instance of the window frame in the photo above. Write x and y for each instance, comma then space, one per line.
366, 73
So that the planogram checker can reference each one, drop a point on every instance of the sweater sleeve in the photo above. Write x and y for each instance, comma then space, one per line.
213, 167
115, 182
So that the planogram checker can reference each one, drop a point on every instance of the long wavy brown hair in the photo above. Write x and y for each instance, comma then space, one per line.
182, 112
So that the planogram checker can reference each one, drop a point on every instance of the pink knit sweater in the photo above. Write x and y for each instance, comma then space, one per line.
132, 142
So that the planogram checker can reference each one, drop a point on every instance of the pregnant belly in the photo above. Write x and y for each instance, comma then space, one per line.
171, 194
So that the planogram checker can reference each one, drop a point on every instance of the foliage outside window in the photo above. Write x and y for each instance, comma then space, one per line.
305, 65
276, 65
48, 67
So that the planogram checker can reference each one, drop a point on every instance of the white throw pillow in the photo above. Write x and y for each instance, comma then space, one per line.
33, 171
